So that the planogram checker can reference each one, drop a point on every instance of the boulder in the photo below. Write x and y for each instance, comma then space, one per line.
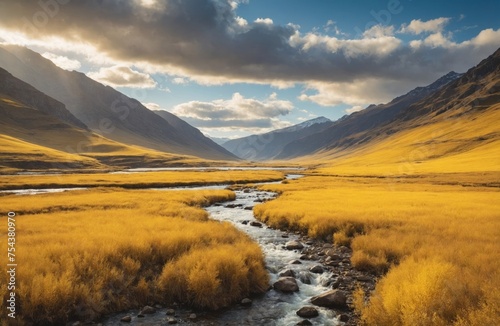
294, 244
287, 272
286, 284
331, 299
147, 310
305, 322
295, 262
170, 312
171, 321
255, 223
318, 269
126, 319
246, 302
308, 312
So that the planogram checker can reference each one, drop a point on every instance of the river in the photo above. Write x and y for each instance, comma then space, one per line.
272, 308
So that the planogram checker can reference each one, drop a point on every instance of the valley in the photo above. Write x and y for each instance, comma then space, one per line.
126, 213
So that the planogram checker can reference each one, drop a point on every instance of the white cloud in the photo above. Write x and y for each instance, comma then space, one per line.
123, 76
265, 21
179, 81
418, 26
235, 113
355, 108
153, 106
62, 61
358, 93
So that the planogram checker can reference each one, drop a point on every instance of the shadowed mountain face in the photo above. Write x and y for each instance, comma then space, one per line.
470, 97
190, 133
267, 146
31, 97
103, 109
354, 129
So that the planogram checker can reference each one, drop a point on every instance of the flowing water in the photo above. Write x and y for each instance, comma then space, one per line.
272, 308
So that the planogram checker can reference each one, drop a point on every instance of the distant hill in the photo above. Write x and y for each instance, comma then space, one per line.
103, 109
267, 146
347, 131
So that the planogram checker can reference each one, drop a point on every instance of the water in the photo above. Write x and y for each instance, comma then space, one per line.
273, 308
211, 168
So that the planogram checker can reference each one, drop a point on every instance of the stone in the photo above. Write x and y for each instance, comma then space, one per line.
171, 321
294, 244
284, 235
305, 322
246, 302
318, 269
255, 223
170, 312
192, 317
126, 319
295, 262
344, 318
363, 278
308, 312
147, 310
287, 272
158, 306
245, 222
286, 284
331, 299
248, 208
305, 277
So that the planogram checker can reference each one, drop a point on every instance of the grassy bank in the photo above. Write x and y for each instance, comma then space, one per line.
437, 243
82, 254
137, 180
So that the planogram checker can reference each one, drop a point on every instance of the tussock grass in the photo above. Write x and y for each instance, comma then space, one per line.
438, 243
137, 180
82, 254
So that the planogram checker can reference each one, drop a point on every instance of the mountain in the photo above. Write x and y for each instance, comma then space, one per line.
267, 146
103, 109
38, 132
454, 129
345, 132
192, 134
220, 140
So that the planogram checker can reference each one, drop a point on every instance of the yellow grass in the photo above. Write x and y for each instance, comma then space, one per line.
138, 180
465, 144
81, 254
439, 242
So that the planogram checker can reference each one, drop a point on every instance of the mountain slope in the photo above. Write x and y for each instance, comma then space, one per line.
103, 109
267, 146
452, 130
345, 131
37, 132
191, 134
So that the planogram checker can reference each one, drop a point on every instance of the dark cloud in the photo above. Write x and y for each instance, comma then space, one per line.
206, 39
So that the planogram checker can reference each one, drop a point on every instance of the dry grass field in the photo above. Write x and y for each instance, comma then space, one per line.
138, 180
438, 242
85, 253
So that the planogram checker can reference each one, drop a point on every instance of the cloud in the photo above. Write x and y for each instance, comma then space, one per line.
179, 81
62, 61
207, 42
236, 113
265, 21
122, 76
417, 26
355, 108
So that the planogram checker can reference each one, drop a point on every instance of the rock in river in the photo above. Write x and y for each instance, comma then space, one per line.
286, 284
294, 244
307, 312
331, 299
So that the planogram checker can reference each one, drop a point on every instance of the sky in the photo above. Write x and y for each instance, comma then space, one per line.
237, 67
